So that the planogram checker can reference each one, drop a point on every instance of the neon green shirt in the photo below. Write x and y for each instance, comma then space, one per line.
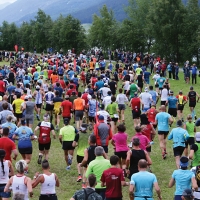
138, 70
68, 133
112, 109
38, 68
82, 143
190, 128
97, 167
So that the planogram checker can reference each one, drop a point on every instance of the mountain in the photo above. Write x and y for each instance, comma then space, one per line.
3, 5
24, 10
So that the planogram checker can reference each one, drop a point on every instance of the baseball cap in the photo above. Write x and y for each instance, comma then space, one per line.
105, 84
37, 87
135, 94
191, 88
101, 117
180, 92
26, 97
67, 97
171, 92
23, 122
188, 193
197, 136
30, 96
146, 89
184, 161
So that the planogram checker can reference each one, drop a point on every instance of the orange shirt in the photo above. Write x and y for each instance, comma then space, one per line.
79, 104
91, 65
54, 78
94, 60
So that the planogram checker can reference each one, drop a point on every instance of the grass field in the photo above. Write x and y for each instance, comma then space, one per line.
162, 168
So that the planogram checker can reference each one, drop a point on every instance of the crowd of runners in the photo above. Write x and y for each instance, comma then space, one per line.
83, 98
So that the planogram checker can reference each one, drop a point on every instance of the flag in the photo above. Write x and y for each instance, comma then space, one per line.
16, 48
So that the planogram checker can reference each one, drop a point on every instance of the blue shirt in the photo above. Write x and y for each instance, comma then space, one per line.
161, 81
60, 90
24, 133
99, 84
154, 95
182, 179
93, 105
169, 68
162, 119
194, 70
179, 136
36, 75
147, 75
172, 101
71, 74
143, 182
10, 89
12, 127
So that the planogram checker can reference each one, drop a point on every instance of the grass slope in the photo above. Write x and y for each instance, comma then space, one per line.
68, 185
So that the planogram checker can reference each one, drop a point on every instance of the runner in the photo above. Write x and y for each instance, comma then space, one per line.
44, 139
172, 103
182, 100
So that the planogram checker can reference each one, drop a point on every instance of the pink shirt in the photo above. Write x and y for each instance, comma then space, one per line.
120, 140
144, 141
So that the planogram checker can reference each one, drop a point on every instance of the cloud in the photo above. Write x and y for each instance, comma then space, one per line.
7, 1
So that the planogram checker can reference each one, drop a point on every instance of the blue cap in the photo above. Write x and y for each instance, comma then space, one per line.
101, 117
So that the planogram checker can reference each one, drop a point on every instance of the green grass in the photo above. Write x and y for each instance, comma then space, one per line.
68, 185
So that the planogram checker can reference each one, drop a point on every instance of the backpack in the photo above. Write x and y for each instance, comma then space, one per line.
197, 175
86, 193
60, 70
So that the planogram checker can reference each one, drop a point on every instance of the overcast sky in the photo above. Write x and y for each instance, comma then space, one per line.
6, 1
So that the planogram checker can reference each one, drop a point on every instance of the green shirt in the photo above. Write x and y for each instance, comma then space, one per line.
68, 133
133, 89
97, 168
190, 128
112, 109
196, 159
38, 68
82, 143
138, 70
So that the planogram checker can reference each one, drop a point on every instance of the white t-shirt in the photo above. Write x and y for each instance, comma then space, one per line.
155, 77
104, 91
146, 99
126, 85
164, 95
106, 101
105, 114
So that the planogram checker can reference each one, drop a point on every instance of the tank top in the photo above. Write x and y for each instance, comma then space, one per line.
45, 87
18, 186
48, 187
180, 99
38, 98
140, 81
91, 155
151, 114
45, 129
78, 104
147, 131
4, 177
30, 105
192, 96
135, 157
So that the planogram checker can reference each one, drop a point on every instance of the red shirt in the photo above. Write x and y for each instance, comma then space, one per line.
62, 83
151, 115
85, 97
2, 86
8, 145
82, 75
147, 131
113, 177
94, 80
45, 130
135, 104
49, 73
69, 92
33, 70
67, 106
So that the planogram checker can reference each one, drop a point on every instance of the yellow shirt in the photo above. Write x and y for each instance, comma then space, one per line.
18, 103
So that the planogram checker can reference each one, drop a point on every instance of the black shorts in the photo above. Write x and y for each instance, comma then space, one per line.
155, 126
48, 197
148, 149
121, 154
105, 149
114, 119
121, 106
78, 115
180, 107
192, 104
163, 132
27, 150
190, 141
39, 105
17, 115
43, 147
67, 145
172, 112
163, 103
91, 119
178, 151
136, 114
66, 118
79, 159
49, 107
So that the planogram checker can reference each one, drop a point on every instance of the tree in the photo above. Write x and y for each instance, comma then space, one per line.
166, 22
103, 32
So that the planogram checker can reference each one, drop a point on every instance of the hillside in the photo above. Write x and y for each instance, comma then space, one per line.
23, 10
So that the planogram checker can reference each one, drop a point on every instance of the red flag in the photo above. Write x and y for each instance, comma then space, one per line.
16, 48
74, 64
